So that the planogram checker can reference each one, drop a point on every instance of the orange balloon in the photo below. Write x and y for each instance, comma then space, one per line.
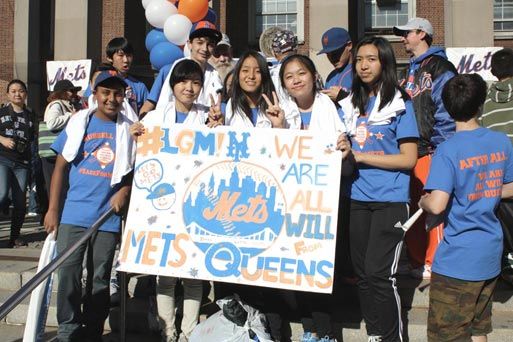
195, 10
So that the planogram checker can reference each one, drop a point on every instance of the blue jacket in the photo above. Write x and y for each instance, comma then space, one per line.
424, 80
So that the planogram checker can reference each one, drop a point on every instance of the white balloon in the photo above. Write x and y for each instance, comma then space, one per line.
158, 11
145, 3
177, 28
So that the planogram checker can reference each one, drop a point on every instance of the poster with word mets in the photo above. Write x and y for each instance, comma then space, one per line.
256, 207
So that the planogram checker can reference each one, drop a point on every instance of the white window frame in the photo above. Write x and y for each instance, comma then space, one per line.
412, 10
300, 17
501, 34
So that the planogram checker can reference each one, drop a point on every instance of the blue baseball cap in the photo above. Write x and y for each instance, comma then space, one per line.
160, 190
333, 39
205, 29
108, 75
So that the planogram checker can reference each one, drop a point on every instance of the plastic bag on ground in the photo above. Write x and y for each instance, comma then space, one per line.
235, 322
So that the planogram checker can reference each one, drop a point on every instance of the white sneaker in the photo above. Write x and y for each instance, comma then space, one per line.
423, 272
374, 339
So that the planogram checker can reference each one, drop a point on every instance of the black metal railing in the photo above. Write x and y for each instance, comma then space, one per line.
26, 289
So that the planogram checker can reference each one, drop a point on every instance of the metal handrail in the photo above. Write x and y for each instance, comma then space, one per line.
26, 289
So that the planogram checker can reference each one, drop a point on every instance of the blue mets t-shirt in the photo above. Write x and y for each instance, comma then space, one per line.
471, 167
342, 77
158, 83
180, 117
90, 173
372, 184
254, 115
306, 117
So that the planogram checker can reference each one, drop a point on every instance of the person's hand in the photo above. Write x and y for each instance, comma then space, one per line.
215, 116
274, 111
137, 129
344, 145
332, 92
7, 143
120, 199
51, 222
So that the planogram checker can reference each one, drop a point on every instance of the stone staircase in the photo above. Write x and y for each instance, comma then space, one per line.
17, 266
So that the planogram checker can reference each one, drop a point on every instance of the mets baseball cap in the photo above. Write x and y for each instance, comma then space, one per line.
205, 29
105, 76
284, 41
65, 85
333, 39
415, 24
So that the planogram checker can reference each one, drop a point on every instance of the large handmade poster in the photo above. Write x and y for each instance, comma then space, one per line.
255, 207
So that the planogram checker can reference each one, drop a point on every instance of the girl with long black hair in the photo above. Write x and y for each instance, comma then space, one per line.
381, 123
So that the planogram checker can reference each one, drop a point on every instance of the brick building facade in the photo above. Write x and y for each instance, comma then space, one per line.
105, 19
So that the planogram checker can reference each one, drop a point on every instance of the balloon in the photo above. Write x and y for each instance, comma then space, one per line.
154, 37
164, 53
177, 28
211, 16
158, 11
145, 3
193, 9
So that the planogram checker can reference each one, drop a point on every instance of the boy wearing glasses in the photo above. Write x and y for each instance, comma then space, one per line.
424, 80
337, 45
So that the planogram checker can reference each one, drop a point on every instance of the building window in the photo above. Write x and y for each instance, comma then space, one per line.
287, 14
503, 15
382, 15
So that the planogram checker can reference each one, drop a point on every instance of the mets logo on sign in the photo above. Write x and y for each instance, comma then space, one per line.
237, 204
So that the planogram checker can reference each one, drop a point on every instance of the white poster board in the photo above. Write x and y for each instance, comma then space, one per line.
255, 207
473, 60
76, 71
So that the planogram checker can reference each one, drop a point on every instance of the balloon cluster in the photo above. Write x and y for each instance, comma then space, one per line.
173, 21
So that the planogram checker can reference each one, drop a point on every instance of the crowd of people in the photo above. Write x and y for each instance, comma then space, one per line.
409, 140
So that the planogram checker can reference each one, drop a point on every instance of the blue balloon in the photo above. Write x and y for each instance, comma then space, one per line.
154, 37
211, 16
164, 53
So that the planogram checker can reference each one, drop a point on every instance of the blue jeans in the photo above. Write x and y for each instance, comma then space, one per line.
100, 252
14, 176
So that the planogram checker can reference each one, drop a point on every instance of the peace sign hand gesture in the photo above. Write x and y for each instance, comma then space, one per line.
215, 117
274, 111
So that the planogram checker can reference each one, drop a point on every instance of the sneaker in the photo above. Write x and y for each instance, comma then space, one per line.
374, 339
309, 337
31, 214
19, 242
422, 272
327, 339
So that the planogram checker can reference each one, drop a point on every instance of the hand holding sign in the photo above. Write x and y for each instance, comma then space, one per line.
137, 129
215, 116
274, 111
344, 145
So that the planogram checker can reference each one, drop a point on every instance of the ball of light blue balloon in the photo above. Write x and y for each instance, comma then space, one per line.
164, 53
154, 37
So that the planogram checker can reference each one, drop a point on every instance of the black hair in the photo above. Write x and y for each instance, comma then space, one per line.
428, 39
463, 95
304, 61
186, 69
225, 95
387, 84
502, 63
117, 44
238, 96
16, 81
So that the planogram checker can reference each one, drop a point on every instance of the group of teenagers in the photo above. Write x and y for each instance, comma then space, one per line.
379, 138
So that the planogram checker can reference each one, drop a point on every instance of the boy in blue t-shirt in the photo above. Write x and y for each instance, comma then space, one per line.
120, 54
91, 193
469, 174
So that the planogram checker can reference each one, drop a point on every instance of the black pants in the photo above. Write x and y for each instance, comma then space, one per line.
375, 248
